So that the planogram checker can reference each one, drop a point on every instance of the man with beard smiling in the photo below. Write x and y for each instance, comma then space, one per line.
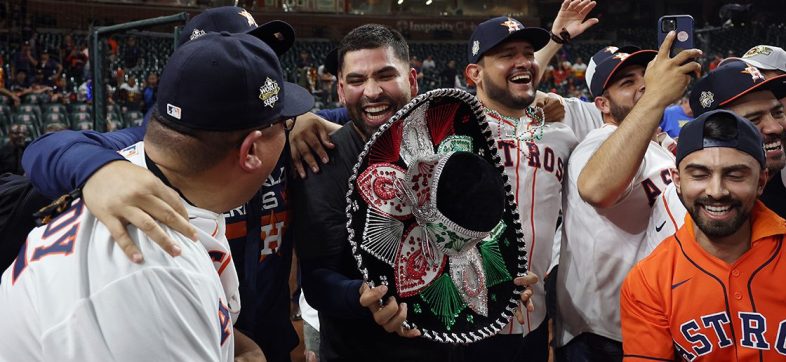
504, 68
728, 255
613, 178
375, 81
743, 89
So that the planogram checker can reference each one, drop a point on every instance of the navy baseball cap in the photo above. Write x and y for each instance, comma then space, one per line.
608, 60
748, 137
277, 34
730, 81
227, 82
492, 32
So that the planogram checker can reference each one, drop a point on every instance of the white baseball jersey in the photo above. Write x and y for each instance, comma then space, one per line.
599, 246
72, 295
535, 170
582, 117
668, 215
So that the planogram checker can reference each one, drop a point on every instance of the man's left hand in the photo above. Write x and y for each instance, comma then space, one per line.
571, 17
527, 282
310, 135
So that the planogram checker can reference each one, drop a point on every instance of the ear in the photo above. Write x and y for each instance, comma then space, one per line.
413, 82
675, 178
763, 178
602, 103
250, 155
472, 73
340, 91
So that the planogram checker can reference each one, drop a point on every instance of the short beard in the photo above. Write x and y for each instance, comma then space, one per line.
502, 95
716, 229
618, 112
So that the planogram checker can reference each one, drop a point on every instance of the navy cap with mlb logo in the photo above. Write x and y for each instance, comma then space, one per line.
730, 81
609, 60
492, 32
277, 34
748, 138
227, 82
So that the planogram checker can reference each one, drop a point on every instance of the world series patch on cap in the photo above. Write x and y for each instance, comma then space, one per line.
730, 81
431, 216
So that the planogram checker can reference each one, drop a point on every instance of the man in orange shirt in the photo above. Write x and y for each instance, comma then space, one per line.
713, 291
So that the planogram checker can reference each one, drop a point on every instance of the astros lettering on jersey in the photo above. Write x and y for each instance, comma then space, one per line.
536, 169
681, 298
73, 295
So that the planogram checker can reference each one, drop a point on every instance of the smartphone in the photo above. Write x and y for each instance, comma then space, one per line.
683, 25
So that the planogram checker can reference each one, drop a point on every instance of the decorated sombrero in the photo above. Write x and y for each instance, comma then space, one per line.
432, 217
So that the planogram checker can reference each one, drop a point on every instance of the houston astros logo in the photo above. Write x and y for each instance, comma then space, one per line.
706, 99
754, 72
512, 25
475, 47
268, 93
249, 18
621, 56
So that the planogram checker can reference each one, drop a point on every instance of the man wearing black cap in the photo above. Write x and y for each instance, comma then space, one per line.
744, 89
72, 294
713, 291
504, 68
60, 162
613, 177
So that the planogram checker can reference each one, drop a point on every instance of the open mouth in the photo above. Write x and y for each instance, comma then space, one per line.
718, 211
524, 78
377, 113
775, 145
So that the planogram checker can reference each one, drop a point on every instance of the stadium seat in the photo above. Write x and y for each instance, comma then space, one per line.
83, 126
55, 118
81, 117
31, 109
81, 107
55, 108
25, 118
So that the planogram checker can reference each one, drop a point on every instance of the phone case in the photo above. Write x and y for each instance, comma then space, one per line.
683, 25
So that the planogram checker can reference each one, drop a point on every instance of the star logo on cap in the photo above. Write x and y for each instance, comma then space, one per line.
249, 18
196, 34
475, 47
621, 56
610, 49
759, 49
754, 72
512, 25
268, 92
706, 99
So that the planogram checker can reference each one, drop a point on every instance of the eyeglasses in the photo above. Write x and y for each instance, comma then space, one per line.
288, 123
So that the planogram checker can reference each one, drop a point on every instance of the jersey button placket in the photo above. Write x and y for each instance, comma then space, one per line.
737, 295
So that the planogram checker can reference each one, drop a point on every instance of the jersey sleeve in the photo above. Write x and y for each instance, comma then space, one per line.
59, 162
645, 328
337, 115
155, 314
582, 117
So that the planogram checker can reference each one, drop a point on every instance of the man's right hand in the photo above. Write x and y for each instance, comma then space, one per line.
390, 316
666, 77
142, 200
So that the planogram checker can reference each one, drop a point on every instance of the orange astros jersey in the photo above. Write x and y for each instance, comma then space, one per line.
681, 301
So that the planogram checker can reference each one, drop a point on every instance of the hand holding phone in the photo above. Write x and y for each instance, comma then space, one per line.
680, 24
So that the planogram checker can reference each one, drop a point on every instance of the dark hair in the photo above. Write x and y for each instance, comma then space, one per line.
196, 150
721, 127
373, 36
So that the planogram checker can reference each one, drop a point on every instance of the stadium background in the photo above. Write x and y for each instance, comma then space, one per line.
434, 28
